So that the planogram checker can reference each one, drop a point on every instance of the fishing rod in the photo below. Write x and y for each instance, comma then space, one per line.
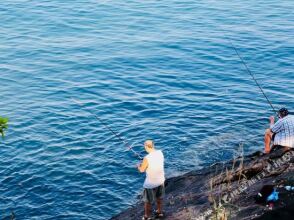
130, 147
248, 70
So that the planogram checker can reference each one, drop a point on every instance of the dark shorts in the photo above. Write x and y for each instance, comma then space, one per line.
273, 136
151, 195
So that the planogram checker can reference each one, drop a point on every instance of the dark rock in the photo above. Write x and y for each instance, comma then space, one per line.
235, 184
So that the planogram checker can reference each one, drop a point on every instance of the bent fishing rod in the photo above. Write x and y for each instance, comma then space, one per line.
130, 147
251, 74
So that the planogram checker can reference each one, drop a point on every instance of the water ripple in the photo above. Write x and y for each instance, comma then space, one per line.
152, 69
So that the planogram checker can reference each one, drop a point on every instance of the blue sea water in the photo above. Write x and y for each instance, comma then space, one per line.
160, 69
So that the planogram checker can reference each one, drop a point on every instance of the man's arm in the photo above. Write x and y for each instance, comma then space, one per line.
275, 127
143, 166
272, 121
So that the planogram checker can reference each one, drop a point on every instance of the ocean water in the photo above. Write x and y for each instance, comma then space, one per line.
161, 69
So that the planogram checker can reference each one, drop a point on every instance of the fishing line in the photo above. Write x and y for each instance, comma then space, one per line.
248, 70
130, 147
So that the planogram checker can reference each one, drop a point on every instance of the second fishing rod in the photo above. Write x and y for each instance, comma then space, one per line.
115, 134
252, 75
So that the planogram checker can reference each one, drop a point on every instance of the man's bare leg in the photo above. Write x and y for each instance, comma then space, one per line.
147, 207
267, 140
159, 205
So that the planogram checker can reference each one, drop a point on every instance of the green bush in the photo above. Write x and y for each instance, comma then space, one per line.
3, 125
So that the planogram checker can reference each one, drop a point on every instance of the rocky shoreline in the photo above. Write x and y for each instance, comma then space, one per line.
228, 190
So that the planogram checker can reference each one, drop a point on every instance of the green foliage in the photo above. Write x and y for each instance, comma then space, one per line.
3, 125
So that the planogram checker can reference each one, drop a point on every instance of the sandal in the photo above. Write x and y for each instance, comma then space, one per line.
146, 218
159, 214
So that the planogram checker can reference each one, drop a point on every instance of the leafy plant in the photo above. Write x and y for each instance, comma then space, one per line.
3, 125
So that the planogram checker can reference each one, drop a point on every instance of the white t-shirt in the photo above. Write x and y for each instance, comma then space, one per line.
155, 170
284, 129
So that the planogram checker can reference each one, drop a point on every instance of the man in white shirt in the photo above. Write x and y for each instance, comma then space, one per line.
281, 132
153, 165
